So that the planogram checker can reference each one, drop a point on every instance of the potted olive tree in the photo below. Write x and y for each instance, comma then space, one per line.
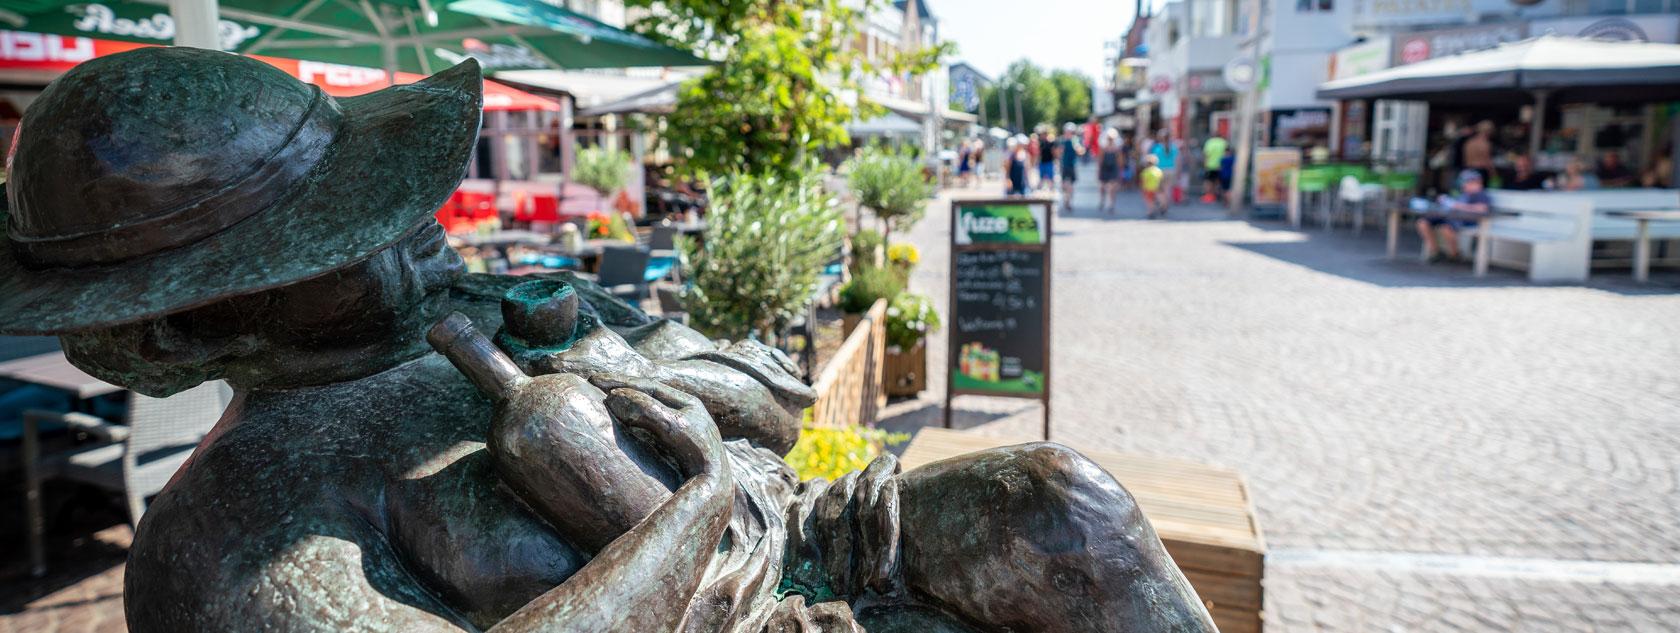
766, 240
891, 186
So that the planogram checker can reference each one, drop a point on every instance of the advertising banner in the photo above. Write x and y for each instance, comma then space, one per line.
1663, 29
998, 340
1411, 48
1271, 174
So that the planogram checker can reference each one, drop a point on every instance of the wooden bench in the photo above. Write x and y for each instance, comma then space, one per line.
1202, 514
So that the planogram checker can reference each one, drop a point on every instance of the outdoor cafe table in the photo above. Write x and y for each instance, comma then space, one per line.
54, 370
1642, 236
1396, 213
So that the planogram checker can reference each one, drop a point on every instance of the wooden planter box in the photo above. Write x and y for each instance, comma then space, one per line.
848, 322
906, 370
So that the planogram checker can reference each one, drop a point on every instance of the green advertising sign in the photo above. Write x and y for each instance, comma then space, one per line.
998, 339
1000, 224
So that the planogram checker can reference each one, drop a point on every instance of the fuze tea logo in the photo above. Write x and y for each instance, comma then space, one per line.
136, 24
1002, 224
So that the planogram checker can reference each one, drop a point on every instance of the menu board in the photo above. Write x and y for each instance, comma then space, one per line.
997, 322
999, 316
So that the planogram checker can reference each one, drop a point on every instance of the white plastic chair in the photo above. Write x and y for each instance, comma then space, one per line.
136, 459
1355, 198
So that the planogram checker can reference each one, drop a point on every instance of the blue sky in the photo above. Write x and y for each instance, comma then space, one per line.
1052, 33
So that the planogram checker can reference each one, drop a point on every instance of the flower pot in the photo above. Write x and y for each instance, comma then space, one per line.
906, 370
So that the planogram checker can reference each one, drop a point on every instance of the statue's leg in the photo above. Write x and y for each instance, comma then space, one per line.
1037, 538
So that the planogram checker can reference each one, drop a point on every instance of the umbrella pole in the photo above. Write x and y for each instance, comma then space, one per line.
1537, 124
195, 23
388, 51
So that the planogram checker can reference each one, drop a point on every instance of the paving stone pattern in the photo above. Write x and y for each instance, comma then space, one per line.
1374, 406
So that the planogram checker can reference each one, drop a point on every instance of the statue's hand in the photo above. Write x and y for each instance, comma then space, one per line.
677, 421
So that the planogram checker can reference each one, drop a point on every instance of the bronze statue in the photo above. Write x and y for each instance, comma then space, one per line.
567, 464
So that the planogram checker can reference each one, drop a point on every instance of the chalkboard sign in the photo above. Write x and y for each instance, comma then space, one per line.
999, 313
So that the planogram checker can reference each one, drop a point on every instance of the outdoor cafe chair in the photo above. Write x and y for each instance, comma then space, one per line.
1356, 192
1313, 183
662, 254
623, 272
135, 460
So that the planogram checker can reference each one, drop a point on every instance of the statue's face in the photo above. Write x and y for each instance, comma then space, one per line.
246, 338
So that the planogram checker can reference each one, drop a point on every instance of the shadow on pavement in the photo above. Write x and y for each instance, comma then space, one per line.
910, 416
1364, 258
86, 538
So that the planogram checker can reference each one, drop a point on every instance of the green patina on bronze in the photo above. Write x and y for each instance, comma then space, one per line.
180, 216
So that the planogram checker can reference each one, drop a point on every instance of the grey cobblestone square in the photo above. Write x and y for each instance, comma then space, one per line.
1375, 406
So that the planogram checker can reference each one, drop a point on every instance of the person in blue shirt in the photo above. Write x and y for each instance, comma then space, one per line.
1440, 231
1165, 152
1068, 151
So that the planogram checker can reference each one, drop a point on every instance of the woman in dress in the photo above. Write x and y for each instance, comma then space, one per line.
1108, 169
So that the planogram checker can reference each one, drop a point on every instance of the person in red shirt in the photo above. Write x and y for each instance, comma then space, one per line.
1093, 134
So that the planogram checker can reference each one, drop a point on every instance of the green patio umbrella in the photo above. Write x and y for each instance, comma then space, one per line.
419, 36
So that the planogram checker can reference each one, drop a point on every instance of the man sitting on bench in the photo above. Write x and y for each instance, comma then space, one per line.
1473, 200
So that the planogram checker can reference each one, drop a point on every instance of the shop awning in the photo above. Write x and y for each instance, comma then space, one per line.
660, 100
42, 57
1567, 69
889, 124
348, 81
417, 36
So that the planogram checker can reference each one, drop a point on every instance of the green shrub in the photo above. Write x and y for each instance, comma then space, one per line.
910, 318
601, 169
891, 185
865, 245
868, 285
766, 240
829, 453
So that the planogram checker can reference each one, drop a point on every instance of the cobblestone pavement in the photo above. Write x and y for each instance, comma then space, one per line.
1375, 406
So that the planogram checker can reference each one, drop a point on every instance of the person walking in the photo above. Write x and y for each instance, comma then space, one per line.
1165, 153
965, 164
1154, 200
1015, 167
1109, 159
1213, 151
1047, 159
1068, 153
1093, 137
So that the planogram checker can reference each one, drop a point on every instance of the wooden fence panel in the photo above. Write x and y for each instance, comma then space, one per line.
850, 388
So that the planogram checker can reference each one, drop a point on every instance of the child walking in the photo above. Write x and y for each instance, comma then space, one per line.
1154, 200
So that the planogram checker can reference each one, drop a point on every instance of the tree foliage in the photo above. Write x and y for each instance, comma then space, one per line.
1073, 90
766, 239
1046, 99
602, 169
775, 96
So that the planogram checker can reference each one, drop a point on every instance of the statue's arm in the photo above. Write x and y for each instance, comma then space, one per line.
643, 581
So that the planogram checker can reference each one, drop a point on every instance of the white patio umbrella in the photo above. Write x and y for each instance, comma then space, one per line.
1542, 69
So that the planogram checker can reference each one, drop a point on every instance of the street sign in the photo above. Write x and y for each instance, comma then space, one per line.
999, 314
1241, 73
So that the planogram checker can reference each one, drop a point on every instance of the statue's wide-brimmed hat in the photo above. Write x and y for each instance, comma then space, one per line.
163, 179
